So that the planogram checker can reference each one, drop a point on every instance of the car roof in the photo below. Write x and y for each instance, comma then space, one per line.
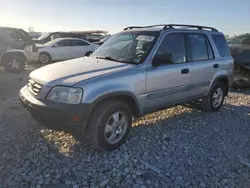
68, 38
173, 27
66, 32
242, 35
9, 28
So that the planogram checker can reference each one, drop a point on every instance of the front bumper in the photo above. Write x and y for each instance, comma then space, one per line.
31, 57
53, 113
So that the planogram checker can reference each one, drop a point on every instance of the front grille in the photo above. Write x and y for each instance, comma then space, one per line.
34, 87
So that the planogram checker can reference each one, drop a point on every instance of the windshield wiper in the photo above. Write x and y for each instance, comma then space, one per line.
112, 59
107, 57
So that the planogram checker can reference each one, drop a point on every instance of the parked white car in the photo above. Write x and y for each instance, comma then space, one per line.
64, 48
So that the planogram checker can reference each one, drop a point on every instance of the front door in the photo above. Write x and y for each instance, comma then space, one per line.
62, 50
169, 83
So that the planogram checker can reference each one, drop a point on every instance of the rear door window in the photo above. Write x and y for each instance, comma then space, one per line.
221, 45
200, 47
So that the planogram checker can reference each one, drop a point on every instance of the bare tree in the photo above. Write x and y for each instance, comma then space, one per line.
31, 29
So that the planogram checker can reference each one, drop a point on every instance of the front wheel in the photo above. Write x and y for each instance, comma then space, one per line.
215, 98
109, 125
44, 58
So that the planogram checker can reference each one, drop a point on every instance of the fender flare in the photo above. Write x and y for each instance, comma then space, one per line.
118, 94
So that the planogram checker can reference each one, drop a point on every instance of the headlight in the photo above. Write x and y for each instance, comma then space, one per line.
67, 95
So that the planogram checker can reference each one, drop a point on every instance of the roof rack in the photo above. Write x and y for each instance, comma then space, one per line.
171, 26
134, 27
188, 26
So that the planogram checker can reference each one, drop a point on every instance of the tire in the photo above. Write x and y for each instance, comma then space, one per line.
44, 58
88, 54
14, 63
103, 115
208, 103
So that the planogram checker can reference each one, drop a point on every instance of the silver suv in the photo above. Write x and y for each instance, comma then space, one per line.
135, 72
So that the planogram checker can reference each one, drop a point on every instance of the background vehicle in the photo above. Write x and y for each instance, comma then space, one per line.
101, 41
55, 35
93, 35
240, 50
64, 49
137, 71
16, 48
35, 35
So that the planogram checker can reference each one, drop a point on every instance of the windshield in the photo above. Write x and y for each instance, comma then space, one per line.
128, 47
105, 39
44, 36
245, 39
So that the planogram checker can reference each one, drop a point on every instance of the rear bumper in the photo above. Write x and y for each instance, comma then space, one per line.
58, 114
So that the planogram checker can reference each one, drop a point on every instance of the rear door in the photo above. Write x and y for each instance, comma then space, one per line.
170, 83
80, 48
202, 57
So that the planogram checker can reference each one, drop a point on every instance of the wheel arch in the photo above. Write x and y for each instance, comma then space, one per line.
126, 97
45, 52
224, 80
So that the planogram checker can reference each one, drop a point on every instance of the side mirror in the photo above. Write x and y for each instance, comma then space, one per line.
162, 59
55, 45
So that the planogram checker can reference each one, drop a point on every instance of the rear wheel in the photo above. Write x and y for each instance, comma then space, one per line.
14, 63
215, 98
44, 58
109, 125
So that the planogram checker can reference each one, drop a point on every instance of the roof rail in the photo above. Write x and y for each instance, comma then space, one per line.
171, 26
189, 26
133, 27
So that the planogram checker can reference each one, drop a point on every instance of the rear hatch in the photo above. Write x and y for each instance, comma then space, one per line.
14, 38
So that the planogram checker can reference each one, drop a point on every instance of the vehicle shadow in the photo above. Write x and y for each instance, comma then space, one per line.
158, 142
161, 122
60, 152
245, 90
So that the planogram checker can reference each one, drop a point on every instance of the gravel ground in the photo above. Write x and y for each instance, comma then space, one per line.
177, 147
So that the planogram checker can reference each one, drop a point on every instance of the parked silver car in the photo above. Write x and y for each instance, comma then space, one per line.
137, 71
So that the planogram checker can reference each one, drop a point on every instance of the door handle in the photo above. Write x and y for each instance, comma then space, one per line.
184, 71
216, 66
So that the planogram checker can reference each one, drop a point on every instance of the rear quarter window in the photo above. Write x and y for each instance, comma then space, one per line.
221, 45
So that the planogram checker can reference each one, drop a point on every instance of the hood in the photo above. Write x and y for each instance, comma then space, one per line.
76, 70
37, 41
